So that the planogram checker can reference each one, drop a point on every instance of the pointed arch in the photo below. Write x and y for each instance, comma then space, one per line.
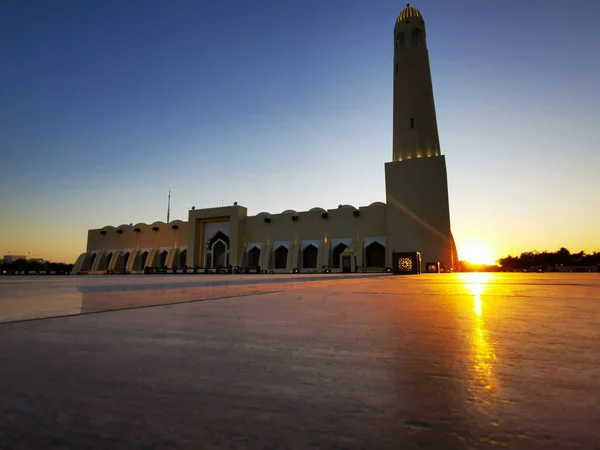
416, 37
337, 251
106, 263
162, 259
92, 259
375, 255
400, 40
217, 250
254, 257
309, 257
219, 235
281, 255
124, 260
143, 258
219, 258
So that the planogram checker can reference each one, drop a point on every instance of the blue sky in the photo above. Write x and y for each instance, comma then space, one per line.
106, 105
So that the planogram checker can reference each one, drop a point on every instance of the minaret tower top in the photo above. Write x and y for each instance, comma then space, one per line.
415, 124
409, 12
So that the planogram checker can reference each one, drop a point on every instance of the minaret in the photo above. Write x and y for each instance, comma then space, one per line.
415, 125
416, 181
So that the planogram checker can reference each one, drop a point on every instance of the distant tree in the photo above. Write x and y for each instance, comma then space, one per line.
535, 260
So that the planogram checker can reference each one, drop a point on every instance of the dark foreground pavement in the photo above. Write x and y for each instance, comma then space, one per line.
440, 362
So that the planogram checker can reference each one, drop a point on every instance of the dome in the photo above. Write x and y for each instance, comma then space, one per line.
408, 12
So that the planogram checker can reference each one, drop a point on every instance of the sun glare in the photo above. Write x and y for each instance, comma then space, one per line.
477, 253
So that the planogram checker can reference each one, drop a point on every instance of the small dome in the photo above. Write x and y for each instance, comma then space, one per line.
408, 12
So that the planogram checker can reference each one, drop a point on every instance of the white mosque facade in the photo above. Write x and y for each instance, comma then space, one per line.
415, 217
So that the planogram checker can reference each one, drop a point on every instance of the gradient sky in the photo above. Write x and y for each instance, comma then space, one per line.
106, 105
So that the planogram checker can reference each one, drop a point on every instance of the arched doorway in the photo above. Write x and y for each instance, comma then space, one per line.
219, 257
217, 251
337, 251
375, 255
124, 261
281, 254
92, 259
309, 257
183, 258
106, 264
254, 257
143, 258
162, 259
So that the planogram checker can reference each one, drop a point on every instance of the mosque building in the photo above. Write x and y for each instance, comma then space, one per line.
415, 217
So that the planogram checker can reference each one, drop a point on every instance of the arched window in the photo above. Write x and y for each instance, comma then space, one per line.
417, 37
309, 257
337, 251
254, 257
375, 255
400, 41
281, 254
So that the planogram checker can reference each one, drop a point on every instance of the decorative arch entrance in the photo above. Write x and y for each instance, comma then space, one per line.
217, 251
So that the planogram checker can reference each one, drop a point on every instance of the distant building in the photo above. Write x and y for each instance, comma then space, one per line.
12, 258
415, 217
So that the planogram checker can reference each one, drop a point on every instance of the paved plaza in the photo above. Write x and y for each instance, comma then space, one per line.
460, 361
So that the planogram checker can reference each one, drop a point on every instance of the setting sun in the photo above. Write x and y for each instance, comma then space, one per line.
477, 253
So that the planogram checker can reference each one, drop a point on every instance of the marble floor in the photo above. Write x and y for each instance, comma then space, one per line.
461, 361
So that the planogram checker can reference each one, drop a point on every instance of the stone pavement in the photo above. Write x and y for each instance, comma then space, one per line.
318, 361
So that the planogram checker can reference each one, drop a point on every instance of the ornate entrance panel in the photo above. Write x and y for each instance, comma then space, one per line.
217, 251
